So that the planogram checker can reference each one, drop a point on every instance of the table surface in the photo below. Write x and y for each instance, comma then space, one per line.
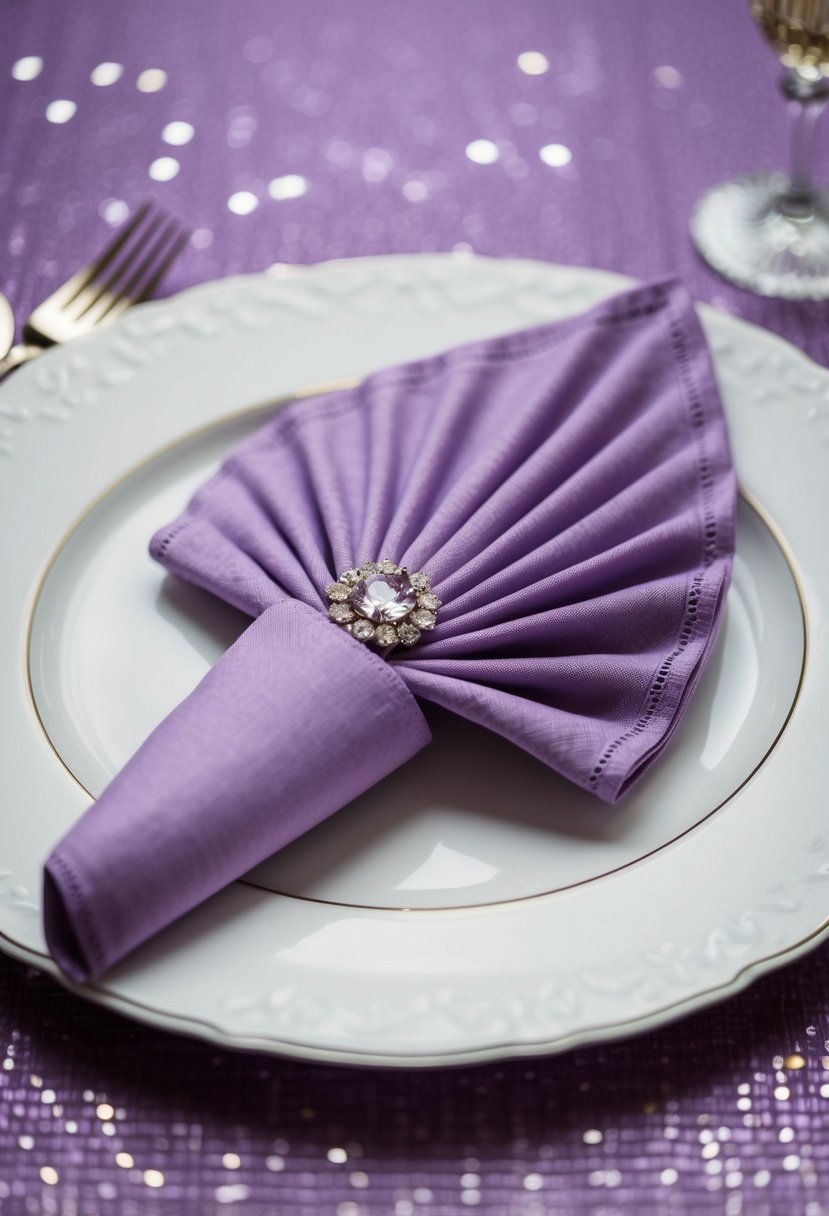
316, 130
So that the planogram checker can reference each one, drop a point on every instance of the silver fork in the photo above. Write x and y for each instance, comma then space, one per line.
126, 272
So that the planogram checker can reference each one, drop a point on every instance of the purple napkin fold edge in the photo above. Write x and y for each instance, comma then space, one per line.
252, 723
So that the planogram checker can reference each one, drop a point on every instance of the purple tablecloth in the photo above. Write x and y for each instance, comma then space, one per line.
320, 130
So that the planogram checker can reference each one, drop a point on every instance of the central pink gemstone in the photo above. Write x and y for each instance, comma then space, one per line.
384, 597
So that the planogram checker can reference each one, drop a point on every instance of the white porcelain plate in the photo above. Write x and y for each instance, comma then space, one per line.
473, 905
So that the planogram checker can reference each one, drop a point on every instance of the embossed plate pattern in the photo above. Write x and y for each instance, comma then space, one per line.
698, 917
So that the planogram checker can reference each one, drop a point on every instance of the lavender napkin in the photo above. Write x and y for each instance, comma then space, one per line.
569, 492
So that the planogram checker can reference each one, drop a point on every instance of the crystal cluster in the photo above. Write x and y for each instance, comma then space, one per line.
381, 603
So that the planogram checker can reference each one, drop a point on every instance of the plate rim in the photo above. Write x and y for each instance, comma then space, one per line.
202, 1030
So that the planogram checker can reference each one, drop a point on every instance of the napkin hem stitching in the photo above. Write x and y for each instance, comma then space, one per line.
699, 421
92, 942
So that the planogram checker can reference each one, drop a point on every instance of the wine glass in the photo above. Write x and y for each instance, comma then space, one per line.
769, 232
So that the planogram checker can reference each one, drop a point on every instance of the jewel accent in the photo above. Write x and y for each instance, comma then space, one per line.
423, 619
408, 634
362, 630
383, 597
381, 603
426, 599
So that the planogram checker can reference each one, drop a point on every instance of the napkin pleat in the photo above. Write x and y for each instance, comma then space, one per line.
487, 633
588, 717
557, 497
614, 536
290, 531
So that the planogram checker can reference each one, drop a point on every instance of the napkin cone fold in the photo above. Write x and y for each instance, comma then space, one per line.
569, 491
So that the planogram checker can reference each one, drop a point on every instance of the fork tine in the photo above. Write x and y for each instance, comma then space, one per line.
166, 246
85, 301
178, 246
127, 270
73, 287
131, 289
121, 304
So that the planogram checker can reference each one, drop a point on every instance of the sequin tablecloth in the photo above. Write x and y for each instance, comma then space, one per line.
297, 130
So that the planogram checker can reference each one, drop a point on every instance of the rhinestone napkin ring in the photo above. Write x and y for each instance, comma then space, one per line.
382, 603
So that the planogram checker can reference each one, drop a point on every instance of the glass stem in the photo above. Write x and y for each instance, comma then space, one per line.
806, 102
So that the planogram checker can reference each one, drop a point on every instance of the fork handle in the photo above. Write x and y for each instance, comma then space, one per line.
18, 355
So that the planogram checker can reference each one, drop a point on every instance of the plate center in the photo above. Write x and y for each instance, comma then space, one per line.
471, 820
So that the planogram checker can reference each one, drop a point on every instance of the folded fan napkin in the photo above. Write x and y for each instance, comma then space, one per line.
568, 489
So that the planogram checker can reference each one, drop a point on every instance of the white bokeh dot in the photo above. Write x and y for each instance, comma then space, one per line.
60, 111
113, 210
668, 76
235, 1192
164, 169
27, 68
377, 164
242, 202
555, 155
151, 80
290, 185
482, 151
533, 63
106, 73
178, 133
415, 190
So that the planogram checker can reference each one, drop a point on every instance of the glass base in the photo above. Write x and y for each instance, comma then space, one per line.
741, 231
